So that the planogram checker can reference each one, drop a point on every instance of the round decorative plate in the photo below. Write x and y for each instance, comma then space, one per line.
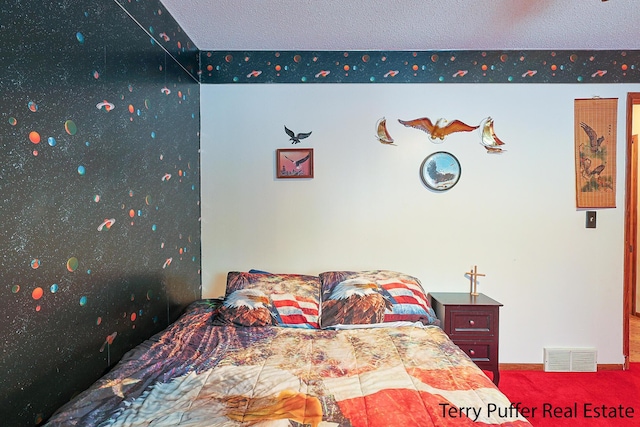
440, 171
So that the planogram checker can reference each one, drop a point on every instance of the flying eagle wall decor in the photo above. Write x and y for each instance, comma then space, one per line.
440, 129
296, 137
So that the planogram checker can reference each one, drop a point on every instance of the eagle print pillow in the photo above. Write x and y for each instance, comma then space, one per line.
263, 299
372, 298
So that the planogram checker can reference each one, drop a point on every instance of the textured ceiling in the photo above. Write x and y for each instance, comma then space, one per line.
408, 24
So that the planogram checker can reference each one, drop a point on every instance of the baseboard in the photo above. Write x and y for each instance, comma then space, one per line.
521, 366
540, 367
610, 367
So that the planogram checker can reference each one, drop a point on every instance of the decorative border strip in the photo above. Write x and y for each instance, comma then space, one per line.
454, 66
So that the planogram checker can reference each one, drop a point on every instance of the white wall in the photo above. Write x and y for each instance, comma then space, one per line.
513, 215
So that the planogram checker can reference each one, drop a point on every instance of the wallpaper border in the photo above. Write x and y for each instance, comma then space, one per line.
433, 66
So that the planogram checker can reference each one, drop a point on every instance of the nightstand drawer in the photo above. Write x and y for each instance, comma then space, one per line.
477, 351
475, 322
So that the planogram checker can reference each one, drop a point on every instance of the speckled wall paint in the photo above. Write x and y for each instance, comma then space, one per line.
99, 192
163, 30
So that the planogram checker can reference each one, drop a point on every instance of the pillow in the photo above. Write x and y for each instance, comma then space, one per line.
262, 299
372, 299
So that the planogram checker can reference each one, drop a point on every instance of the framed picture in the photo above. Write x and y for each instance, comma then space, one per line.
440, 171
294, 163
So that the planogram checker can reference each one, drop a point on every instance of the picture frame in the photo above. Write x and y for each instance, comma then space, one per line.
294, 163
440, 171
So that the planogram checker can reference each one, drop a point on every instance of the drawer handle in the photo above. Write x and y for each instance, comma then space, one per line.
471, 322
472, 352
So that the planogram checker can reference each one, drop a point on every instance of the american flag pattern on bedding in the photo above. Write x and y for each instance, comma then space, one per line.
257, 299
296, 310
370, 297
199, 374
409, 299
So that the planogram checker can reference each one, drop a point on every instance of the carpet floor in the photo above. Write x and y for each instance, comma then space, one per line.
589, 399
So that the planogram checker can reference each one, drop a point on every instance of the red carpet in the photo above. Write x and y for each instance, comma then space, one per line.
554, 399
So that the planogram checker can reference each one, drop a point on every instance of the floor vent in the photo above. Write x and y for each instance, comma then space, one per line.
570, 360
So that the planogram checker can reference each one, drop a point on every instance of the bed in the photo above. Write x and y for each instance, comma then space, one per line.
340, 349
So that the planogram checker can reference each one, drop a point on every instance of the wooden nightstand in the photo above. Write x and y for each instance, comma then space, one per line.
472, 323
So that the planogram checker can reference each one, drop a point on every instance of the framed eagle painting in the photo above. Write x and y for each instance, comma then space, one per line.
294, 163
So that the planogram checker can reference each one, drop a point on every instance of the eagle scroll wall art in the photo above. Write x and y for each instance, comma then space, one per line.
595, 125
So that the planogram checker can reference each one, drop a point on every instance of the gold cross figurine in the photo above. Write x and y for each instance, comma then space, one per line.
473, 278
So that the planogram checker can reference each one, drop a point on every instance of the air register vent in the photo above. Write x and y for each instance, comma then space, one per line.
570, 360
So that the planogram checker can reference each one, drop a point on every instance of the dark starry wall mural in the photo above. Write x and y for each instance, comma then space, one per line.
99, 191
164, 31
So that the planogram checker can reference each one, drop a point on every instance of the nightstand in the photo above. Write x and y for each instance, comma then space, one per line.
472, 323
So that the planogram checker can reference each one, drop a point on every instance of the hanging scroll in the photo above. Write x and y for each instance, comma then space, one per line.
595, 124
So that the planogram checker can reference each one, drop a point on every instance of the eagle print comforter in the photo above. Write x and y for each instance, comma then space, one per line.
197, 374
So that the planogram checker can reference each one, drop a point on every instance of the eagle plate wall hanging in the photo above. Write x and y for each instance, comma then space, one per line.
595, 128
440, 171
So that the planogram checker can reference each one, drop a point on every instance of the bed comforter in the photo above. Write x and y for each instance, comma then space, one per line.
197, 374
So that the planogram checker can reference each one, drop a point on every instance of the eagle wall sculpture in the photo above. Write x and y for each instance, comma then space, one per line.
296, 137
440, 129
